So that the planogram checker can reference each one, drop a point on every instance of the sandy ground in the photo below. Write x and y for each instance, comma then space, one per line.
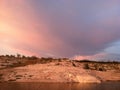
53, 72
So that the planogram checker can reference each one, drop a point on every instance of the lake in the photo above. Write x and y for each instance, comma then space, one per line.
60, 86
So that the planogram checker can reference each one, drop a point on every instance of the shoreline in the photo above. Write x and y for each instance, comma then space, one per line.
51, 75
64, 71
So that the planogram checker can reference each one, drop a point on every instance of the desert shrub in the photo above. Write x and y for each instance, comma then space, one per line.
11, 80
7, 56
17, 64
12, 56
30, 62
3, 65
23, 57
85, 60
30, 75
18, 75
1, 75
18, 78
57, 63
46, 60
73, 64
100, 69
59, 60
18, 56
86, 66
65, 58
34, 57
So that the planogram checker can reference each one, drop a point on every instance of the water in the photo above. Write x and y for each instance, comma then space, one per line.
60, 86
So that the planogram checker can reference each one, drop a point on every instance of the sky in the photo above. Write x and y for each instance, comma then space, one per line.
80, 29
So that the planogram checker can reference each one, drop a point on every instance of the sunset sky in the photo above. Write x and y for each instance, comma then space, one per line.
60, 28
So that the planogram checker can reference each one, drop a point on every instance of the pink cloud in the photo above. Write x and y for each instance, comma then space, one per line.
57, 31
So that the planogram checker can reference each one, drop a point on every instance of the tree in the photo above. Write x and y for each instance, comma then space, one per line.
18, 56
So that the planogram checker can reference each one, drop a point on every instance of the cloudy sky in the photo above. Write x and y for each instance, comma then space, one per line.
60, 28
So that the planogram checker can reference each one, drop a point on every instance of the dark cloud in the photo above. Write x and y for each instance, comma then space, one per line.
87, 30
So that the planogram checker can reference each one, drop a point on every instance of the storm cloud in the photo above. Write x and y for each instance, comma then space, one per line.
61, 28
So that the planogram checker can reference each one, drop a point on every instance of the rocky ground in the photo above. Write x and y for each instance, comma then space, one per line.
47, 70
